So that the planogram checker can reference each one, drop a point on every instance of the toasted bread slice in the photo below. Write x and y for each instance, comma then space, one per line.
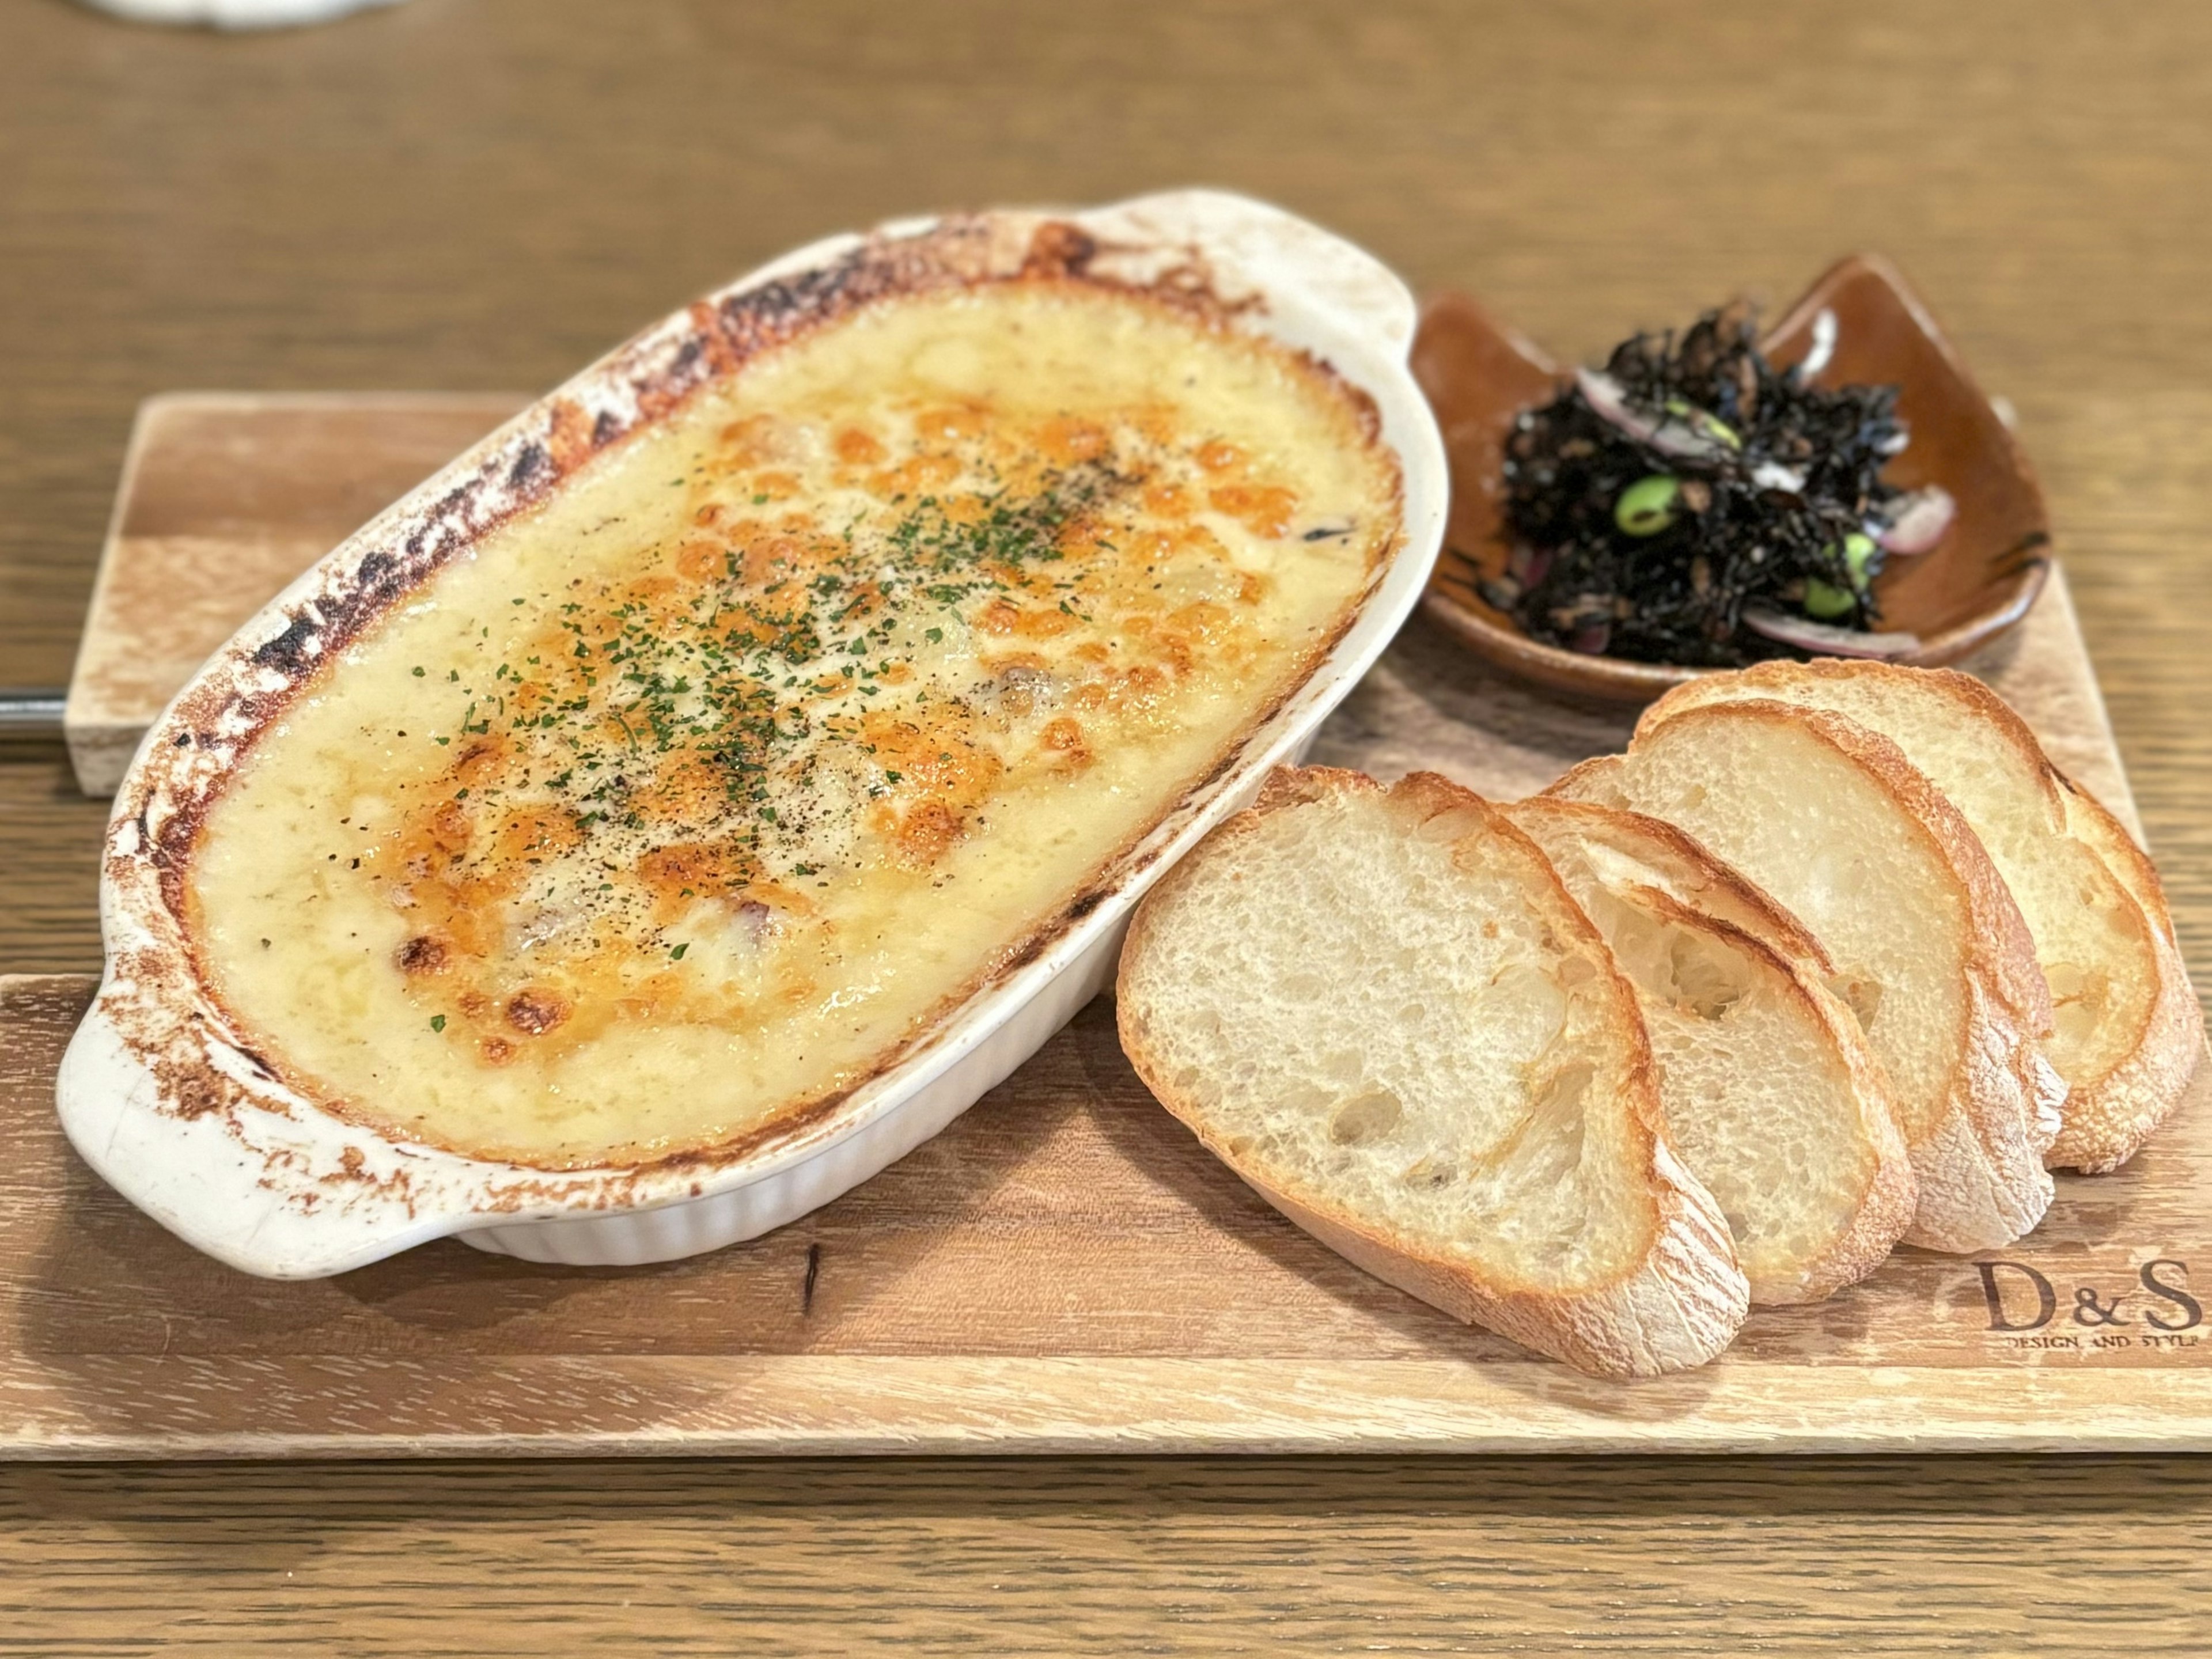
2127, 1032
1930, 952
1382, 1010
2139, 1094
1631, 848
1771, 1095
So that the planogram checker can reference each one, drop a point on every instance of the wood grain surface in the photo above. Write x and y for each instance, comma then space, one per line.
485, 193
1725, 1557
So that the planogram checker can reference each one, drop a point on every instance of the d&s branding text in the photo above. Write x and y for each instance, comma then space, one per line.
2156, 1310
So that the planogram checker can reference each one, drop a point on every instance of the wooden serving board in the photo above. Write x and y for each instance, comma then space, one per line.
1065, 1269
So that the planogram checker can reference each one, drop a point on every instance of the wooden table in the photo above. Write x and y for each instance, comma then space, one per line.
485, 193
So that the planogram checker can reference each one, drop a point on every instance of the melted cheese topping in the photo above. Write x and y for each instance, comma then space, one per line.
693, 795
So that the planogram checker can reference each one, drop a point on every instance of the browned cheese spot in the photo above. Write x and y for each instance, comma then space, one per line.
424, 954
535, 1011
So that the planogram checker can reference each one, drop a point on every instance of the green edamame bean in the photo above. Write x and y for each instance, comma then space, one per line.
1827, 601
1648, 505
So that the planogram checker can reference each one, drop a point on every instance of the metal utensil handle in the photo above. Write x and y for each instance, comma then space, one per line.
31, 713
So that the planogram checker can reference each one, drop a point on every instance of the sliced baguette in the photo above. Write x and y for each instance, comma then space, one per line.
1929, 949
1645, 851
1382, 1010
2141, 1093
2128, 1032
1771, 1095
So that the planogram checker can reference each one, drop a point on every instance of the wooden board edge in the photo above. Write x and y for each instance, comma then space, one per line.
99, 753
326, 398
2116, 794
32, 988
785, 1406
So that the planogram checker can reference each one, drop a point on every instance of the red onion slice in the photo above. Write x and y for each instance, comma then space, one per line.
1529, 565
1685, 443
1609, 399
1917, 522
1824, 640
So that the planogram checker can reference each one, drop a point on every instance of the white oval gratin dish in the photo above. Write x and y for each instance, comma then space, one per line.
168, 1104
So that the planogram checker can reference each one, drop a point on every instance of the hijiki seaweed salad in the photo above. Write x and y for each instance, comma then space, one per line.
1693, 504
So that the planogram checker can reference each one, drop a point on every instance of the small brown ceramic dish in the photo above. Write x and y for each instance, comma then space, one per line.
1976, 585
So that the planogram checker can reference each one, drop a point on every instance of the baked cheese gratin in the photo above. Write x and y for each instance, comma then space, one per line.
688, 799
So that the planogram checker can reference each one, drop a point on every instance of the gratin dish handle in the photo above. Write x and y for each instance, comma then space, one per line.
1295, 260
267, 1194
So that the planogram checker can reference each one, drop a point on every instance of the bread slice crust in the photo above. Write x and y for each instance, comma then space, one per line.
1705, 898
2118, 1103
2120, 1111
1978, 1148
1679, 1296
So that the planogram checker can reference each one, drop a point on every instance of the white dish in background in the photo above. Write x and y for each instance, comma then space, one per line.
166, 1105
236, 13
